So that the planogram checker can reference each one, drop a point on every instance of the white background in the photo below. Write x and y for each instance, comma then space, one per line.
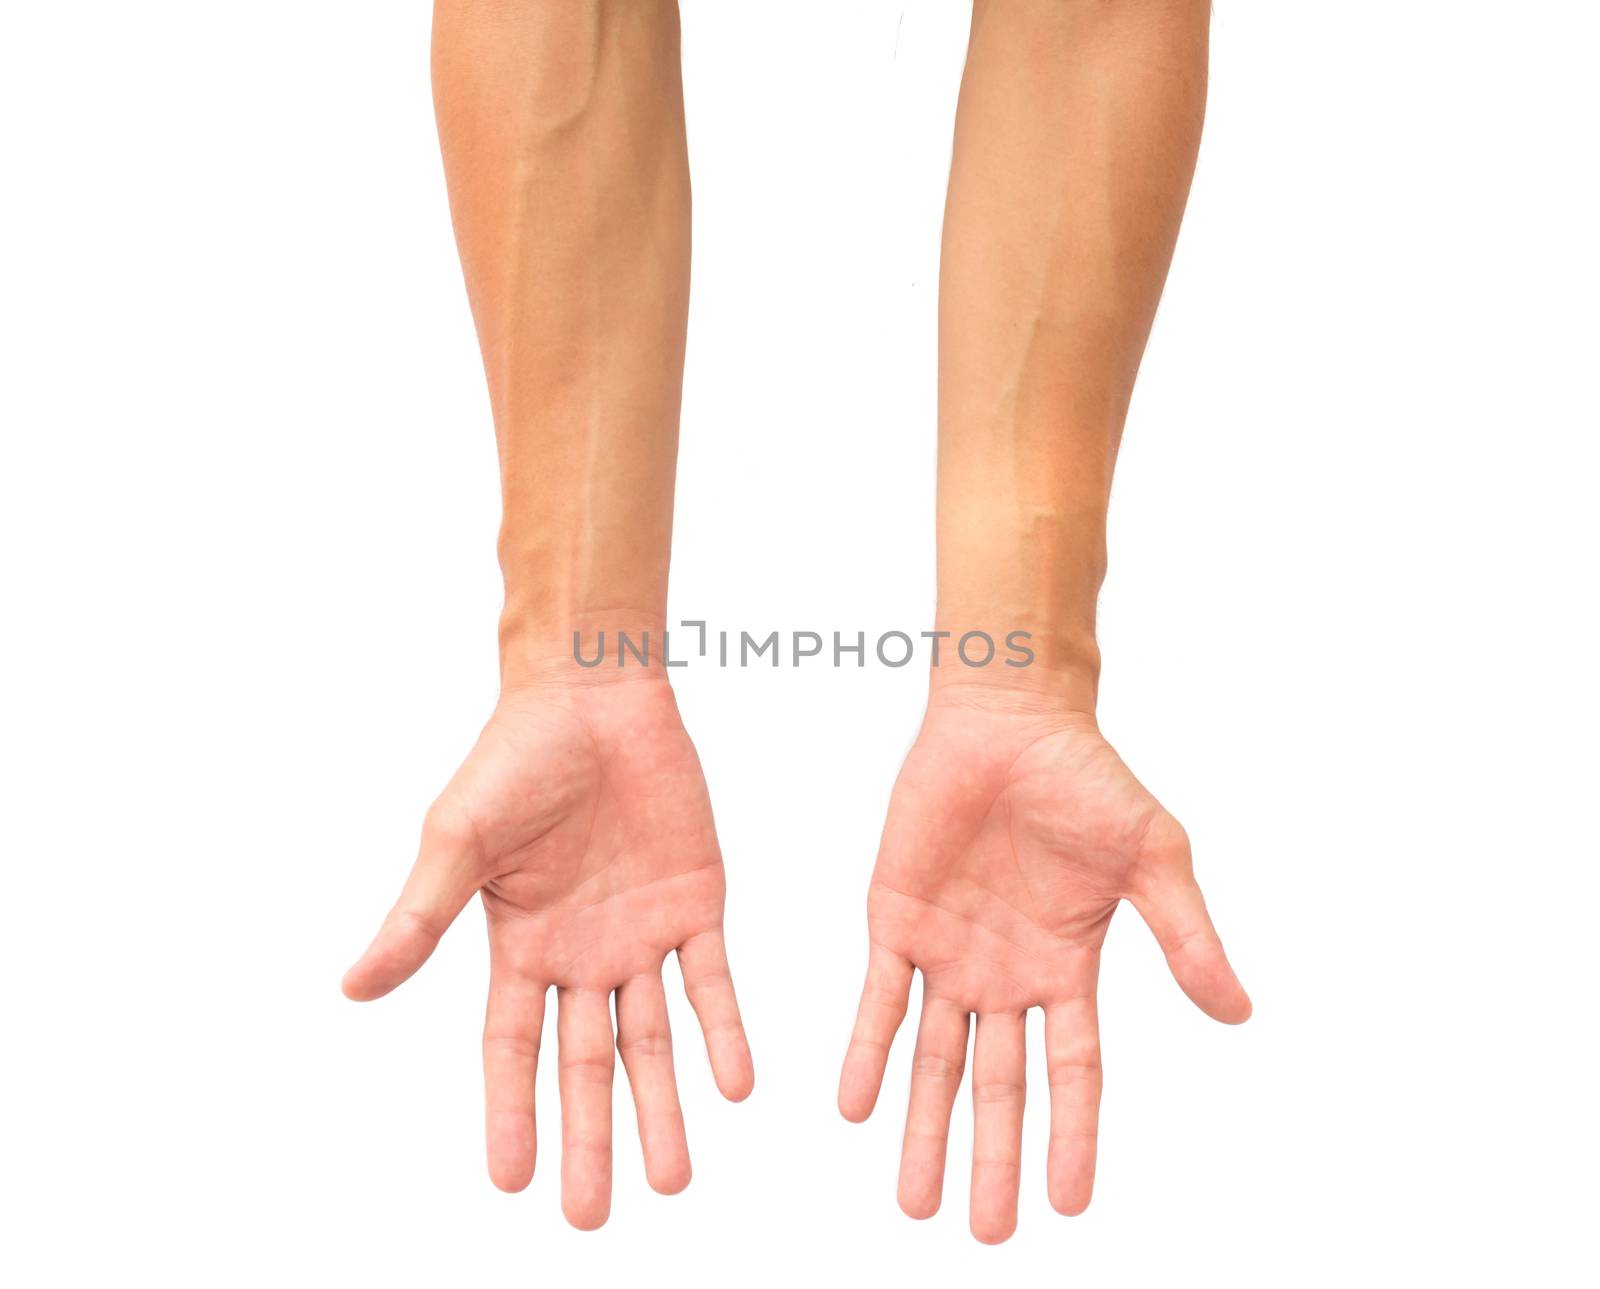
248, 507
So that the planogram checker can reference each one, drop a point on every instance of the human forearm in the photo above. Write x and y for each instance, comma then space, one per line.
562, 133
1075, 143
1015, 830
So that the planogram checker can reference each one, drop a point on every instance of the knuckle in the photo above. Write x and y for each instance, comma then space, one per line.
1164, 846
1068, 1073
708, 982
588, 1070
421, 922
647, 1045
517, 1046
447, 828
884, 996
1171, 839
928, 1066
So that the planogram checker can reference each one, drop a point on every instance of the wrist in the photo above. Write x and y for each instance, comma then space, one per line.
582, 647
582, 588
1043, 672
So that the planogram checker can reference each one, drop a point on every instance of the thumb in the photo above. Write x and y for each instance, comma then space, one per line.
443, 879
1172, 906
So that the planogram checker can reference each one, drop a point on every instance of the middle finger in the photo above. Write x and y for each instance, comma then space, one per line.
583, 1034
999, 1074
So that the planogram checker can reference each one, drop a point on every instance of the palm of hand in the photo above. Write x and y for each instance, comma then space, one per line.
582, 817
1010, 840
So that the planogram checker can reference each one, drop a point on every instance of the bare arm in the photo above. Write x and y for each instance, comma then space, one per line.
1015, 830
562, 132
1075, 144
581, 816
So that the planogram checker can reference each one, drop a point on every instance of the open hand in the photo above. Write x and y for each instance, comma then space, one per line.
582, 817
1012, 834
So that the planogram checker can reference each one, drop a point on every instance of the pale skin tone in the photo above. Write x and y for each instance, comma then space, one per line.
1015, 830
581, 818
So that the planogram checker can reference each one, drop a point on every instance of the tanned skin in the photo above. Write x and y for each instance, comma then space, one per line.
1015, 830
581, 817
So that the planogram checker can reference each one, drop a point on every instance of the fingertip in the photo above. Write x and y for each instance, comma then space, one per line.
1225, 1011
738, 1086
585, 1198
1176, 913
1070, 1203
512, 1151
859, 1086
854, 1107
1216, 991
734, 1071
358, 985
510, 1180
1235, 1010
670, 1179
918, 1207
403, 944
993, 1231
1233, 1006
1203, 972
584, 1217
